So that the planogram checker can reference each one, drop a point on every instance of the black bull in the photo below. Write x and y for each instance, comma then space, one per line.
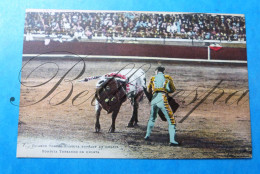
110, 96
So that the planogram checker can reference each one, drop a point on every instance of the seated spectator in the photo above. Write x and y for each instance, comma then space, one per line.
88, 33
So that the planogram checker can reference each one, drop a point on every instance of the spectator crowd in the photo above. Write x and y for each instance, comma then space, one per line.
198, 26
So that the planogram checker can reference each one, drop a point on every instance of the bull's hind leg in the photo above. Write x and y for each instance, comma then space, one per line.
113, 126
134, 118
98, 110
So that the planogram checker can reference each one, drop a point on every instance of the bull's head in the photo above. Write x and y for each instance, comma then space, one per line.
111, 94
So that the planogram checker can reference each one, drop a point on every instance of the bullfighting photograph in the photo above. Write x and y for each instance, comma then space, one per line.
133, 84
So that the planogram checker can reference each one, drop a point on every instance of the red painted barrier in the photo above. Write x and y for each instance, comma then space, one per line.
146, 50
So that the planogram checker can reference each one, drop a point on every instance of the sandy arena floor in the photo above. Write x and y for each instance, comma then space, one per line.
218, 127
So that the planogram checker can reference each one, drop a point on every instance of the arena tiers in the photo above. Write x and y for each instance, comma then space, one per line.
148, 25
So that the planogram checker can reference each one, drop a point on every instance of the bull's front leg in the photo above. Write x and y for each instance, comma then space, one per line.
114, 115
136, 113
98, 110
134, 118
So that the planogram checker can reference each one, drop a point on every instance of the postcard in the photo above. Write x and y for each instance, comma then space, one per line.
128, 84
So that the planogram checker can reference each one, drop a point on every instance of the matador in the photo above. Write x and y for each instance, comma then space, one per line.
160, 85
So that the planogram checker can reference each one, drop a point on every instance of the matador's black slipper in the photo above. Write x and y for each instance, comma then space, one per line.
147, 139
173, 144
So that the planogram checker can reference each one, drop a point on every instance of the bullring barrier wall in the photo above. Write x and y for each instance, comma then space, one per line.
127, 49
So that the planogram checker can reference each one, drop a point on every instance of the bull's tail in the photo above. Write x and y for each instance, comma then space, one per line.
89, 78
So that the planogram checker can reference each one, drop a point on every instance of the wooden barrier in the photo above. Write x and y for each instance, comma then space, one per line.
122, 49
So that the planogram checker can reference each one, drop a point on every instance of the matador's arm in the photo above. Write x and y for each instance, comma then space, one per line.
171, 87
150, 86
148, 92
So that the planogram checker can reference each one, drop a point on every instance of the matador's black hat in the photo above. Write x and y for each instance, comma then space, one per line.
160, 69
